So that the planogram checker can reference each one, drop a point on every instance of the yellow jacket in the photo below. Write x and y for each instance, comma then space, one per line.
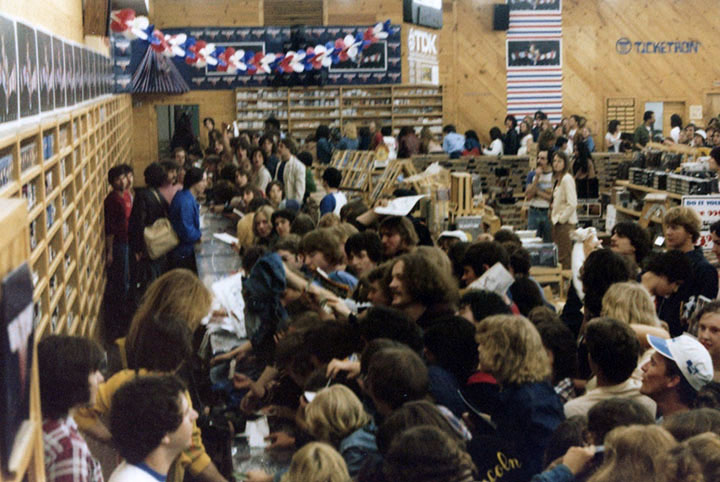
194, 458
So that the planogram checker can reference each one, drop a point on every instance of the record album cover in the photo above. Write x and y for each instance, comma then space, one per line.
27, 65
8, 72
46, 74
78, 73
60, 83
70, 80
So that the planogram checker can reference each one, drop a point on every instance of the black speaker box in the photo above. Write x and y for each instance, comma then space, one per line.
501, 17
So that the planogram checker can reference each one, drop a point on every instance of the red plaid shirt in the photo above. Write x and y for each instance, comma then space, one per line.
67, 456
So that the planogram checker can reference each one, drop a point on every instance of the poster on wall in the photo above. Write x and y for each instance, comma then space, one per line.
545, 6
8, 72
77, 66
46, 73
708, 208
93, 75
121, 50
534, 53
380, 63
27, 65
60, 76
423, 62
87, 74
70, 73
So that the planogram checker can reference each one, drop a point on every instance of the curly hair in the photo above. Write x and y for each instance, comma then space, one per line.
425, 281
511, 349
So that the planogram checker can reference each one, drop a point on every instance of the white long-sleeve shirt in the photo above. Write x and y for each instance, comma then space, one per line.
564, 204
294, 179
496, 148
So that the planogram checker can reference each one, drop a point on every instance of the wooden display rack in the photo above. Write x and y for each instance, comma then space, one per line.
388, 181
26, 461
688, 153
65, 183
356, 168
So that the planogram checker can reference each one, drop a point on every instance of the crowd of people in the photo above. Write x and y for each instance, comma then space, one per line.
369, 346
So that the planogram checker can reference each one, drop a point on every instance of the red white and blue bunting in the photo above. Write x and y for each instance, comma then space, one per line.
200, 53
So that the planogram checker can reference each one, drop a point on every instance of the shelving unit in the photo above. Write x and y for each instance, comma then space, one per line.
301, 110
638, 192
60, 168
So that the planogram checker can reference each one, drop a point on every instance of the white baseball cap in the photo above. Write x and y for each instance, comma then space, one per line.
461, 235
691, 357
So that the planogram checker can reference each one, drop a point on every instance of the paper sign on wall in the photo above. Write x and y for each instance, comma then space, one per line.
696, 112
708, 207
423, 64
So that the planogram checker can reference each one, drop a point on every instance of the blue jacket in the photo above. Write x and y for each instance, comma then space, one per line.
324, 151
185, 220
444, 388
526, 416
559, 473
263, 290
356, 447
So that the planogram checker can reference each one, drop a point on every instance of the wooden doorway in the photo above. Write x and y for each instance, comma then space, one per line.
670, 108
712, 105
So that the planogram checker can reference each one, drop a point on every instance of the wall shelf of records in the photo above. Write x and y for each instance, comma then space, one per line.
301, 110
59, 167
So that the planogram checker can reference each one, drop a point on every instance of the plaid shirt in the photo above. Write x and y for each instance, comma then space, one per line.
566, 390
67, 456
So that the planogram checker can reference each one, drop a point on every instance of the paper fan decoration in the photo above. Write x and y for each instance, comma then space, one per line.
156, 74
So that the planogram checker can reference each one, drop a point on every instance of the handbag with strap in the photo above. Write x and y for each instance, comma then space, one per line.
160, 237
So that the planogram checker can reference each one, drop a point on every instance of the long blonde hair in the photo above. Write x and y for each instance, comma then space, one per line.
629, 302
511, 349
317, 462
350, 130
178, 294
631, 453
335, 413
266, 211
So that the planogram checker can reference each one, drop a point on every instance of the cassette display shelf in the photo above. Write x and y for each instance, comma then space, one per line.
301, 110
60, 168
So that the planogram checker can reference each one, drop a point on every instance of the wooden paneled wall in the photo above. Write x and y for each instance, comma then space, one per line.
472, 55
594, 70
59, 17
218, 104
206, 13
303, 12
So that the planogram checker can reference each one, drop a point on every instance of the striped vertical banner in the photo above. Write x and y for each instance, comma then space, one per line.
534, 59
